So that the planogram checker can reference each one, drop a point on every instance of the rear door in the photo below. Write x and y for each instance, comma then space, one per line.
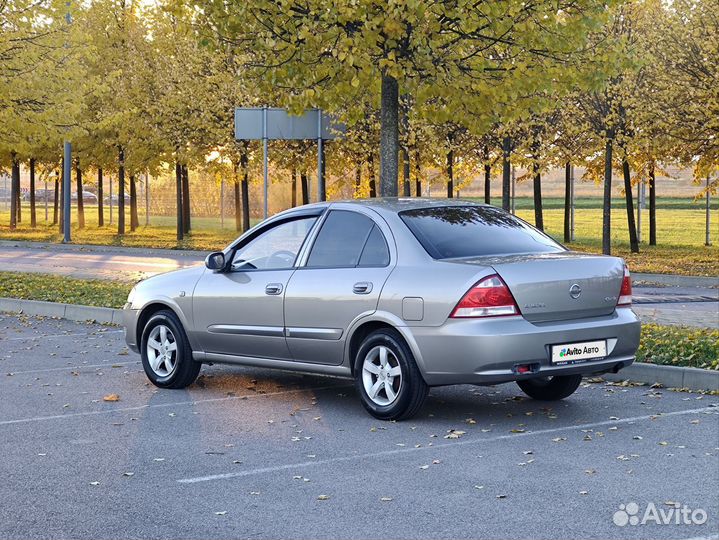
340, 281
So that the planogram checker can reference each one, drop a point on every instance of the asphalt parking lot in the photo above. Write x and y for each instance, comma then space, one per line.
253, 453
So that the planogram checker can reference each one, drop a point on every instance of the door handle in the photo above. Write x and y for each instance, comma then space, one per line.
273, 288
362, 287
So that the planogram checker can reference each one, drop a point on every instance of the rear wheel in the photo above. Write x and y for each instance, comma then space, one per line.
551, 388
166, 353
387, 378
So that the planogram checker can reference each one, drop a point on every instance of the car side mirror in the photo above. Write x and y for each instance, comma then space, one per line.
215, 261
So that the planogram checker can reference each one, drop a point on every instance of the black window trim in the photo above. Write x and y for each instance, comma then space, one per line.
321, 223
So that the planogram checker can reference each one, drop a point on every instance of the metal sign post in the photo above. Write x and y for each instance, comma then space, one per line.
265, 163
67, 163
320, 161
266, 124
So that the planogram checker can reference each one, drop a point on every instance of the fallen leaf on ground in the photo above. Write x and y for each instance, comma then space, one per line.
111, 397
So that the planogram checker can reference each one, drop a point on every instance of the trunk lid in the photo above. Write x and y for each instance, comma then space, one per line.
559, 286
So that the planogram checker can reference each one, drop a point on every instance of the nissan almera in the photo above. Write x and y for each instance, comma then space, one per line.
399, 294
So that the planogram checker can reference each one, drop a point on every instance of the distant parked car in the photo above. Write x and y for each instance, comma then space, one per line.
115, 199
88, 197
39, 195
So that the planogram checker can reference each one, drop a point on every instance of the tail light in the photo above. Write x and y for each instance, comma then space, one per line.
625, 293
488, 298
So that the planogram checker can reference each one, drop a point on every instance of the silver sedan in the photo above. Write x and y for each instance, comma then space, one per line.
398, 294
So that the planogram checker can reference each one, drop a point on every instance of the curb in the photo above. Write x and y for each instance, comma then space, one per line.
71, 312
676, 280
668, 376
90, 248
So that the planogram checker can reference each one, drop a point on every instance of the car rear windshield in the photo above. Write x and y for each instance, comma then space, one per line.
447, 232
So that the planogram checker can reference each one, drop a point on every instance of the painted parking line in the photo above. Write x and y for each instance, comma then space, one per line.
71, 367
55, 336
165, 405
434, 448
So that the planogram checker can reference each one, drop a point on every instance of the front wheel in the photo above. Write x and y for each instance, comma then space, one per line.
166, 353
550, 388
387, 378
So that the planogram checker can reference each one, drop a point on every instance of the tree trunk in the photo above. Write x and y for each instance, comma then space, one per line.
61, 197
121, 192
14, 189
294, 187
450, 174
238, 204
487, 177
178, 194
18, 196
33, 217
304, 188
100, 203
607, 209
405, 172
538, 214
633, 240
80, 201
652, 206
246, 190
186, 199
389, 137
506, 172
358, 181
56, 199
134, 221
567, 201
372, 181
418, 174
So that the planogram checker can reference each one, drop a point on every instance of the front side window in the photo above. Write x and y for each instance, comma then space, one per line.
346, 240
275, 249
446, 232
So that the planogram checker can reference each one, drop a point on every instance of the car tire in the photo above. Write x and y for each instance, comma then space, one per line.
400, 389
166, 352
550, 388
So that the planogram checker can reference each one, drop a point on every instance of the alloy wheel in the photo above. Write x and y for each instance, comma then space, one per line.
381, 375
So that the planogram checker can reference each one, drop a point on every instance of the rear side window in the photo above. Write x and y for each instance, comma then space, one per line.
375, 252
348, 239
446, 232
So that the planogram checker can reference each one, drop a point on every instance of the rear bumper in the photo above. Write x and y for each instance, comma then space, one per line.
475, 351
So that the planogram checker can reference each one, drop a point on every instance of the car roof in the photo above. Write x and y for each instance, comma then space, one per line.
395, 205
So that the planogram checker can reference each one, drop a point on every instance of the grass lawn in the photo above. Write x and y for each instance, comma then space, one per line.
27, 286
680, 234
679, 346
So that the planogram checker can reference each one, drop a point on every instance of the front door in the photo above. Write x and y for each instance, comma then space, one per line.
341, 280
239, 311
